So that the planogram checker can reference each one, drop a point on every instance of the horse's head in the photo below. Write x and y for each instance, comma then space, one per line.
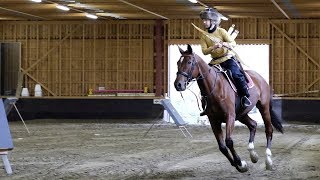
187, 69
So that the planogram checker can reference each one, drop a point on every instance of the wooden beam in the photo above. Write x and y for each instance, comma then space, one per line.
52, 49
311, 84
144, 9
239, 41
282, 11
77, 10
35, 79
159, 57
297, 93
294, 43
25, 14
202, 4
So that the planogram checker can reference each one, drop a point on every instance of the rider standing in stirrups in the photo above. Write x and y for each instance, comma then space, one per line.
221, 54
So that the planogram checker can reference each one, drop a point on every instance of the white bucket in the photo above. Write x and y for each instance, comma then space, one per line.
38, 94
25, 92
37, 90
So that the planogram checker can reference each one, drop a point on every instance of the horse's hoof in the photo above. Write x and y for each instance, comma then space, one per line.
243, 168
268, 163
254, 156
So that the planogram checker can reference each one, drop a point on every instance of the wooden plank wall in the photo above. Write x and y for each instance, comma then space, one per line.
68, 58
294, 52
296, 57
251, 30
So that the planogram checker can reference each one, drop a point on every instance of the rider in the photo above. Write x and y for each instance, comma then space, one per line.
220, 52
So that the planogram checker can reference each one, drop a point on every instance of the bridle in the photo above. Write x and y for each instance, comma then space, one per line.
188, 75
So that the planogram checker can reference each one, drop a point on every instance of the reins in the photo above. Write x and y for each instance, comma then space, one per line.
204, 77
189, 77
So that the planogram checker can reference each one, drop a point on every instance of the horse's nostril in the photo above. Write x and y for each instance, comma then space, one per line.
178, 86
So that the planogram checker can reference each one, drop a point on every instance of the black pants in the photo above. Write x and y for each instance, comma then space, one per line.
237, 75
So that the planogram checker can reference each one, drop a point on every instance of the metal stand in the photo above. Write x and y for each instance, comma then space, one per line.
6, 140
8, 104
12, 101
182, 129
166, 103
14, 105
6, 162
174, 114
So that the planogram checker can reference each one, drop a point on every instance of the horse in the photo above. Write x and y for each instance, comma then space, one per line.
221, 106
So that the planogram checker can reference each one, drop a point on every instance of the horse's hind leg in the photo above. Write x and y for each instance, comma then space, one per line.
252, 125
265, 113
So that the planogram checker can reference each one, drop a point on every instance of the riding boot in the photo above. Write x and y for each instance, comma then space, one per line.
245, 101
204, 105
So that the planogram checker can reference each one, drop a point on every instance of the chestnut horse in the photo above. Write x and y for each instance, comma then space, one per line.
221, 108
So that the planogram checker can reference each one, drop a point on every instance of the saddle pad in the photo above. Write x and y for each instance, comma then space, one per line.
250, 83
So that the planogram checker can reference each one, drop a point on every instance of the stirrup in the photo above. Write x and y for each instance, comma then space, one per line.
204, 104
245, 102
203, 113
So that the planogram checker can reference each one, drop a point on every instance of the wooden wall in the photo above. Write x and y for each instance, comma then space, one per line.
251, 30
294, 50
296, 57
68, 58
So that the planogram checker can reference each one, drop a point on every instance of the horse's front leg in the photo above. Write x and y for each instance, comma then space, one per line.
218, 133
240, 165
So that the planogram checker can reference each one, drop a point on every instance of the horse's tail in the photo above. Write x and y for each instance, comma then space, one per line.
275, 120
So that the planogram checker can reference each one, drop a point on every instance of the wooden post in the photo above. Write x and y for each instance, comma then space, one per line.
159, 57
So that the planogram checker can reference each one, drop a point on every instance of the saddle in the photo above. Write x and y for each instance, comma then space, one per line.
228, 75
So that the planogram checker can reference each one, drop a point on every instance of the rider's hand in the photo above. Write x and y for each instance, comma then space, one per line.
225, 44
216, 46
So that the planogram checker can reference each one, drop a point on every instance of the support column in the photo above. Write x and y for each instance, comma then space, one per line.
159, 57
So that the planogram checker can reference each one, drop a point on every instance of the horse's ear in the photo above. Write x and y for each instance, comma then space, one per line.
181, 51
189, 49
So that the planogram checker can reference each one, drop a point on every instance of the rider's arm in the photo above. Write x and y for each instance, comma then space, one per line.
227, 40
206, 47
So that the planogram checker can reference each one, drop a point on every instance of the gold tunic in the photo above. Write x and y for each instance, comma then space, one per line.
218, 55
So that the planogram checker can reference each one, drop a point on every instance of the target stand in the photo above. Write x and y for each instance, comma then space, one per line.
166, 103
5, 138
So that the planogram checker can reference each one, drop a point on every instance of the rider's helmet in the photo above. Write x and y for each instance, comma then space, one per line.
212, 14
